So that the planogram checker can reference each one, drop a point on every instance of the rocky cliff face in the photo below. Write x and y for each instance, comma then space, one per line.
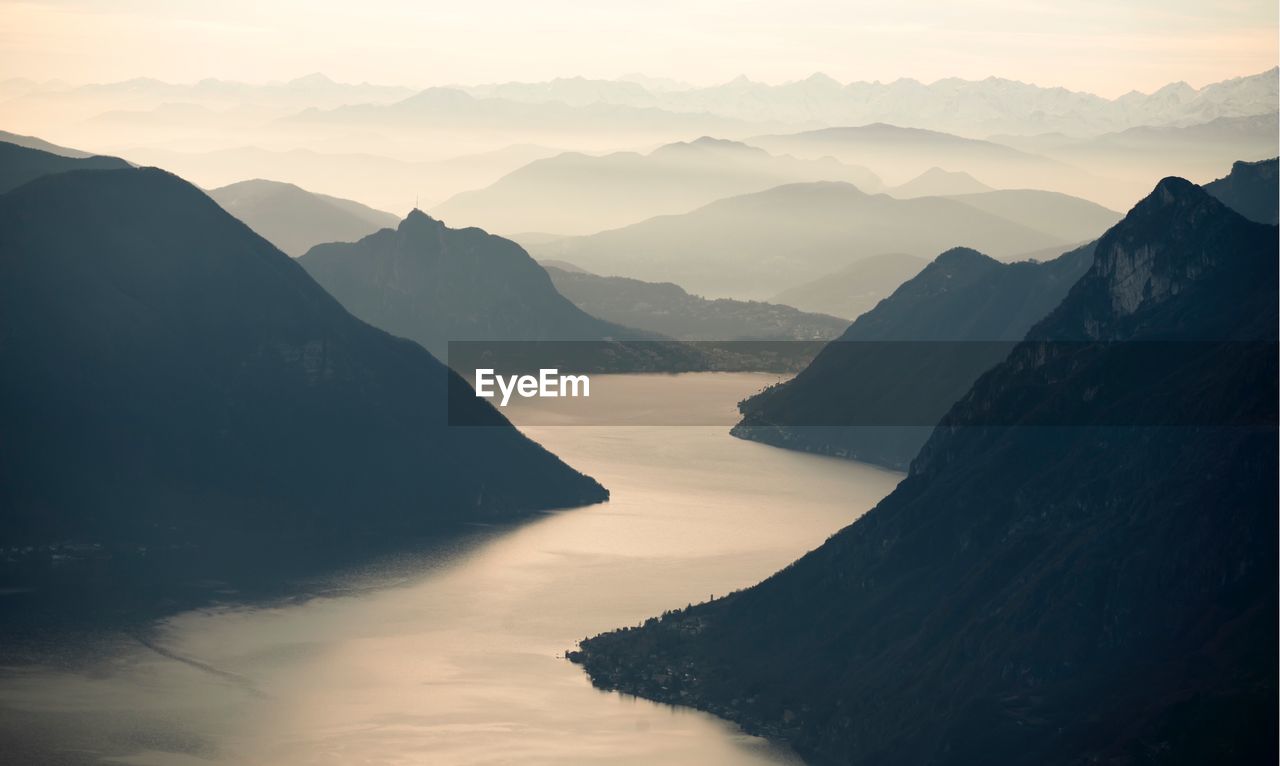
1080, 567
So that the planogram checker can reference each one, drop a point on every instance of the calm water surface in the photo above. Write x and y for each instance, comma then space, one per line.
455, 656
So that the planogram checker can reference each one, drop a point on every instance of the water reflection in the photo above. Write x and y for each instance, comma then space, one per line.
453, 656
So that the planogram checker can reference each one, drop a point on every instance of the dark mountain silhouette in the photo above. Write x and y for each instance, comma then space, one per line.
936, 182
1250, 189
953, 321
295, 220
757, 244
1041, 595
576, 193
432, 284
667, 309
19, 164
170, 378
856, 288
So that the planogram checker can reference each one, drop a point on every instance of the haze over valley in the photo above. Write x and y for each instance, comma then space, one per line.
917, 376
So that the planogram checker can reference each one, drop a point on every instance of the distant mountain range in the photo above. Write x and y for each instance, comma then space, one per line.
202, 390
754, 245
295, 220
1140, 155
19, 164
967, 107
380, 181
667, 309
1094, 583
855, 289
452, 114
915, 353
580, 194
899, 154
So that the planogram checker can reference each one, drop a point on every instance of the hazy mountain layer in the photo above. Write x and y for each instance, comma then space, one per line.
380, 181
580, 194
900, 154
1067, 218
170, 378
968, 107
1031, 594
1133, 160
754, 245
223, 114
449, 114
667, 309
295, 220
855, 289
936, 182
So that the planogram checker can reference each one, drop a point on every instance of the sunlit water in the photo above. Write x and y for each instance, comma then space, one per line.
455, 657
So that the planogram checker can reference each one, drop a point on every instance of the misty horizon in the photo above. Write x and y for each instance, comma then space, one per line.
569, 383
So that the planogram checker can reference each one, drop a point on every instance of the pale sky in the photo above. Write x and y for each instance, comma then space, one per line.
1104, 46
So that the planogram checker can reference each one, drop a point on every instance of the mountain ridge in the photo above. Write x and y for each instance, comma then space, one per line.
205, 391
1039, 595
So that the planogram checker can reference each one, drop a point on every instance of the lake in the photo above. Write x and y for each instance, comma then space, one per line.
454, 654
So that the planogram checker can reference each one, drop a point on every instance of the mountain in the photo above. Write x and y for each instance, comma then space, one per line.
572, 91
68, 109
576, 193
451, 114
898, 154
1080, 567
171, 379
668, 310
1134, 159
915, 353
19, 164
1250, 189
936, 182
295, 220
756, 244
1069, 219
966, 107
432, 284
372, 179
31, 142
855, 289
631, 110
